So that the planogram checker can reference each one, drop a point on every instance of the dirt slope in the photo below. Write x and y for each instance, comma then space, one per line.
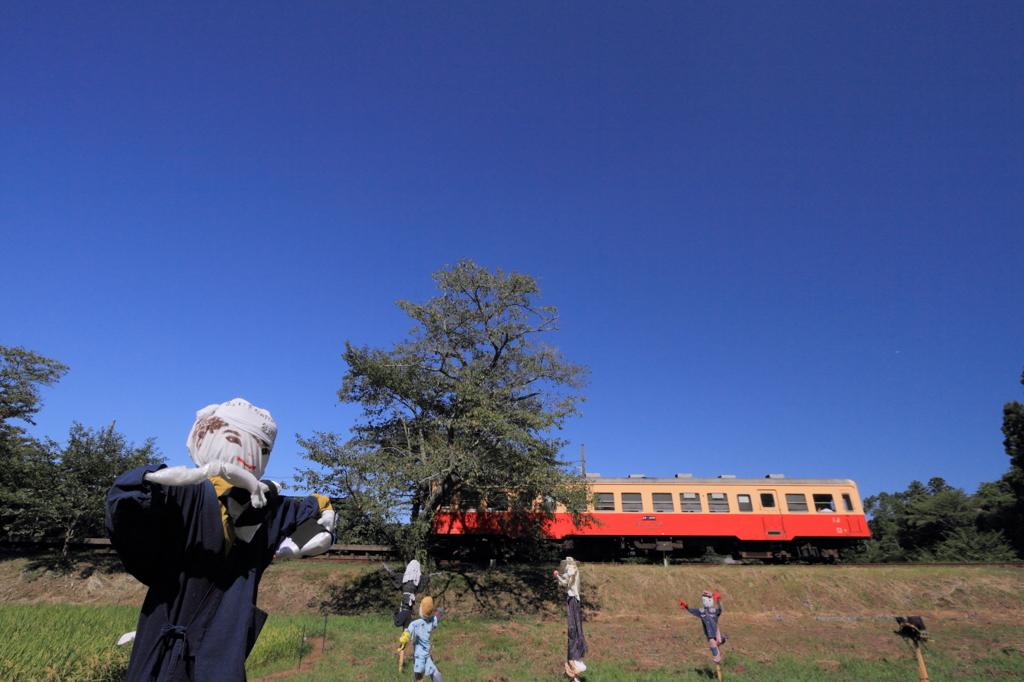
612, 592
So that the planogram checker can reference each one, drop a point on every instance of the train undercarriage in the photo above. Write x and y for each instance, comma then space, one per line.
654, 549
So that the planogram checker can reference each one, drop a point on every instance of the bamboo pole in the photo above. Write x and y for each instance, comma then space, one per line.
922, 670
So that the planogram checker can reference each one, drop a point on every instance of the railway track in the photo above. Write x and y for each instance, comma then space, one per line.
368, 554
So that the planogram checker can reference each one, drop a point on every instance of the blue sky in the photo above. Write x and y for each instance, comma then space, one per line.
786, 237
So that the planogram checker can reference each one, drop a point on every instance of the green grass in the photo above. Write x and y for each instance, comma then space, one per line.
76, 643
60, 642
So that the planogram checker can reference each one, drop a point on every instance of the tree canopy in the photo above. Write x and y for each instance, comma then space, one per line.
49, 489
934, 522
465, 406
22, 373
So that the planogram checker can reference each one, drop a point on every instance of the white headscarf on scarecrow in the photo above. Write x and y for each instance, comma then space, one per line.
413, 572
235, 432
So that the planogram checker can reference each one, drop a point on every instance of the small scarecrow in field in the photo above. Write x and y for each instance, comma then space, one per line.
200, 539
569, 578
418, 633
709, 614
412, 582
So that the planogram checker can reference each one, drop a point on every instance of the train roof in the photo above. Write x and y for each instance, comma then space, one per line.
761, 482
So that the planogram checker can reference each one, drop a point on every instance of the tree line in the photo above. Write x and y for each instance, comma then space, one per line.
940, 523
48, 489
468, 407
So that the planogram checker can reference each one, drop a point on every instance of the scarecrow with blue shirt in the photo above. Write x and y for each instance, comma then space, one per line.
200, 539
709, 614
418, 633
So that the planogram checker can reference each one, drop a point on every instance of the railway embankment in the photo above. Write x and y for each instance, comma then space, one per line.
827, 593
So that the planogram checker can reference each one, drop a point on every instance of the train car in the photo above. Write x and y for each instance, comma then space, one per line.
771, 518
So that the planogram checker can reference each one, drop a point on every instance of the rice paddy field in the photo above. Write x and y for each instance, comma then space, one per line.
785, 623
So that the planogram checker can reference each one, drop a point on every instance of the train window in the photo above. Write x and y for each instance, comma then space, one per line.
796, 502
548, 503
690, 502
767, 501
663, 502
744, 503
718, 502
469, 500
632, 502
847, 502
823, 503
497, 501
605, 502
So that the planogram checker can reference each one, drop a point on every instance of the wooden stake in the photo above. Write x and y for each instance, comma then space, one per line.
718, 669
401, 659
922, 671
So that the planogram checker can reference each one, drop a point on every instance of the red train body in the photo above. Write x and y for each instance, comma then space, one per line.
765, 518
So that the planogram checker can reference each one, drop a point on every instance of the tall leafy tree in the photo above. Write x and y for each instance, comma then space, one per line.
22, 374
66, 485
466, 406
1012, 512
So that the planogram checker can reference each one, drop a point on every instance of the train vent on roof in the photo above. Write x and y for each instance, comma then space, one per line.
775, 476
727, 476
593, 475
684, 475
637, 476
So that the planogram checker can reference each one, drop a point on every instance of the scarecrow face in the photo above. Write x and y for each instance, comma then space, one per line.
231, 445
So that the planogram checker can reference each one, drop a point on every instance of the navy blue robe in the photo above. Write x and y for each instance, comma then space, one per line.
199, 621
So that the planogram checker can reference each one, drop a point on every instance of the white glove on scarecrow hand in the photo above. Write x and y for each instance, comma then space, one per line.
327, 520
235, 475
318, 544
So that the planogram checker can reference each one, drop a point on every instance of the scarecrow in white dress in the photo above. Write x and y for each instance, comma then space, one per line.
569, 578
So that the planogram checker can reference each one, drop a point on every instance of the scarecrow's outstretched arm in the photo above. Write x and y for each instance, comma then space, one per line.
235, 475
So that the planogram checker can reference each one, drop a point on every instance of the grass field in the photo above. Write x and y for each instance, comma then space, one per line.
786, 623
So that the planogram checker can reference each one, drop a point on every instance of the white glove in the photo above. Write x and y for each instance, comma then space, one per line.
318, 544
287, 550
327, 520
235, 475
126, 637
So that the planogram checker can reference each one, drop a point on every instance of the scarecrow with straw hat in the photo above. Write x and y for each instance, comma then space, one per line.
709, 614
418, 633
569, 578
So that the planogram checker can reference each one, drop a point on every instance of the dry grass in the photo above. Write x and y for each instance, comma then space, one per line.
795, 622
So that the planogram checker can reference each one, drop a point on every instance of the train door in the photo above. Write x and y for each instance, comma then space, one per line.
771, 514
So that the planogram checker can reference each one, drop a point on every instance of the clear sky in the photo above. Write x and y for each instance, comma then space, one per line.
787, 237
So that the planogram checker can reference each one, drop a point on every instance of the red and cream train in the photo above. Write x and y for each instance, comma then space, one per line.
771, 518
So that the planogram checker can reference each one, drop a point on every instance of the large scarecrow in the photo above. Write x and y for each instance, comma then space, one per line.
200, 538
709, 614
577, 648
